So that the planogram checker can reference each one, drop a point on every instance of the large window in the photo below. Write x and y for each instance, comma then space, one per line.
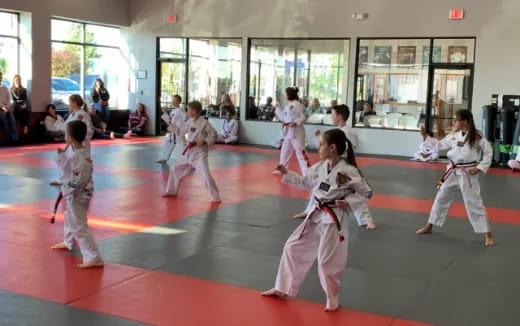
318, 67
201, 69
82, 53
395, 80
9, 46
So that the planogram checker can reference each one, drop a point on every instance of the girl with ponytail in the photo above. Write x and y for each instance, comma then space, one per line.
470, 154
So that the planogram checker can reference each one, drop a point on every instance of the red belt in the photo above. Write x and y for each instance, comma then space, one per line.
189, 147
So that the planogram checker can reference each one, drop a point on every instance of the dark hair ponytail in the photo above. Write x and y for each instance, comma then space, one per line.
473, 135
292, 93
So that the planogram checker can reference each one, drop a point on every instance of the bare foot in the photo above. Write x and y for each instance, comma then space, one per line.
300, 215
161, 161
371, 226
276, 172
425, 230
60, 246
218, 201
490, 242
93, 264
332, 309
274, 293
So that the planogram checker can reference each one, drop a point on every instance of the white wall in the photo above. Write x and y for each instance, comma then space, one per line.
37, 14
493, 23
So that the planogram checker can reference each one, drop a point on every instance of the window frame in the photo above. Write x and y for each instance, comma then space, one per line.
431, 66
16, 37
295, 75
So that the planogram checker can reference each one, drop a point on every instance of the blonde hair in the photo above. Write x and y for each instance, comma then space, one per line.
79, 101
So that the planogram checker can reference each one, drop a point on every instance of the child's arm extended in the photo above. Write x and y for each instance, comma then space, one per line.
292, 178
81, 174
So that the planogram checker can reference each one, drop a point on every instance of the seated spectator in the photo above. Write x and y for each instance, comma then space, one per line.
333, 104
266, 112
224, 103
367, 110
314, 108
136, 122
100, 128
428, 150
20, 107
7, 120
54, 125
229, 131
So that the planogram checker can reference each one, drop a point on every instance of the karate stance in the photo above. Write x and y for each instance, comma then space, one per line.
292, 117
200, 135
340, 115
470, 154
175, 121
77, 190
337, 190
229, 132
77, 111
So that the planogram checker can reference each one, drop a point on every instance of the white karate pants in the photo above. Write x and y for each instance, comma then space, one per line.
76, 227
472, 200
289, 146
185, 166
318, 241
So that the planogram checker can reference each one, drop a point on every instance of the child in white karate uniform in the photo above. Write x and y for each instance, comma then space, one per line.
515, 164
292, 117
340, 115
175, 121
470, 154
199, 136
427, 150
229, 132
77, 111
77, 190
338, 189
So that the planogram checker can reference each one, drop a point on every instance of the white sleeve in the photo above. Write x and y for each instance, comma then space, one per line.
223, 127
234, 130
317, 141
81, 174
278, 111
360, 195
60, 123
443, 144
301, 117
487, 155
50, 124
211, 137
178, 123
306, 182
518, 156
166, 118
61, 160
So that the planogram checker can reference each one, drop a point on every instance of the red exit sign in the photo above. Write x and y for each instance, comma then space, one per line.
171, 19
456, 13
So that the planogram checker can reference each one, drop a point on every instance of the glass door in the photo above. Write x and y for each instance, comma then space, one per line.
172, 80
450, 89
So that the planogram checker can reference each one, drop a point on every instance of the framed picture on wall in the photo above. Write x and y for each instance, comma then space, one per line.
383, 55
406, 55
457, 54
363, 55
426, 54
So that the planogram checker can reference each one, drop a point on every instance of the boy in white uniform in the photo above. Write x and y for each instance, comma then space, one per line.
77, 190
470, 154
340, 115
199, 136
229, 132
175, 121
293, 117
337, 190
